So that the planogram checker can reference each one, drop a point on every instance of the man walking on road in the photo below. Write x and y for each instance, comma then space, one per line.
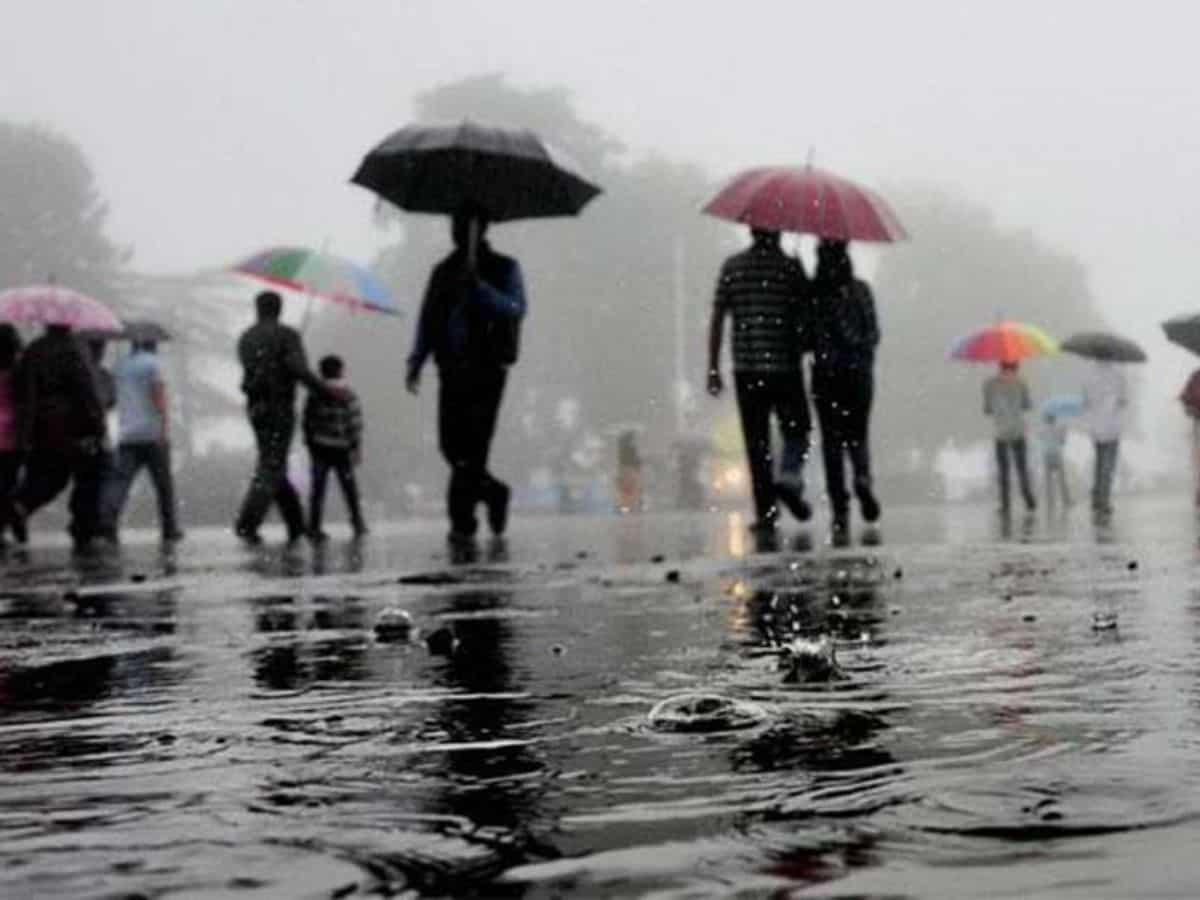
142, 416
470, 323
273, 363
766, 292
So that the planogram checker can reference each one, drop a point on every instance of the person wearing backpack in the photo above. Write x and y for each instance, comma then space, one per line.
470, 324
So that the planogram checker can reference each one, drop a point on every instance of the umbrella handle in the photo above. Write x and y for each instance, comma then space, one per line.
472, 243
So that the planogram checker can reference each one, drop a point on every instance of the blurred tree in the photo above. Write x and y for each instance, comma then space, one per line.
960, 271
52, 217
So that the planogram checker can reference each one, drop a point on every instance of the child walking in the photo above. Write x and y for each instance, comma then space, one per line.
333, 427
1054, 437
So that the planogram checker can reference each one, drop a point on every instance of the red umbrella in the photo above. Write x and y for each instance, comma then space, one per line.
806, 200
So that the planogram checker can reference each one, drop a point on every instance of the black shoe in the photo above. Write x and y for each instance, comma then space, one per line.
839, 532
19, 527
248, 536
791, 497
171, 537
765, 535
361, 529
497, 508
317, 536
460, 538
869, 505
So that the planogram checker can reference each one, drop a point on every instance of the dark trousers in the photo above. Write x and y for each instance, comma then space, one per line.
1105, 470
273, 431
340, 461
131, 458
468, 407
10, 475
1016, 450
843, 401
47, 473
758, 396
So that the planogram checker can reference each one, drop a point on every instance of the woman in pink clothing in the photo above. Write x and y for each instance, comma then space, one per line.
11, 453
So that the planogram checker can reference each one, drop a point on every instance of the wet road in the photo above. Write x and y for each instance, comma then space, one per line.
1020, 714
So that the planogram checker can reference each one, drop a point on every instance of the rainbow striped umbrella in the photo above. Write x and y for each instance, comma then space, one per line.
321, 275
1003, 342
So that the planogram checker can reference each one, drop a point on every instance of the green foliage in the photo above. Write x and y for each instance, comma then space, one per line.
52, 216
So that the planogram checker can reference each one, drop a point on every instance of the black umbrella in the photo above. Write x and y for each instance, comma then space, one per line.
498, 173
141, 331
1101, 345
1184, 331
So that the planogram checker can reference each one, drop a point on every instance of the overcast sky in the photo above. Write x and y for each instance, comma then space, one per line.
217, 127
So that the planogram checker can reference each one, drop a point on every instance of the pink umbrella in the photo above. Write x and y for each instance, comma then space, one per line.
808, 201
51, 304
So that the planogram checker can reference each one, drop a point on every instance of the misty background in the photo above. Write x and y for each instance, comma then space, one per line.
1040, 156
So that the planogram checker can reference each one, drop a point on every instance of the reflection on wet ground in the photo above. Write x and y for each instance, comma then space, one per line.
1015, 713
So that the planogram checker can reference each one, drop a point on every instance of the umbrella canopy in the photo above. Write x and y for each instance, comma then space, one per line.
1184, 331
322, 275
51, 304
1003, 342
808, 201
141, 331
1062, 406
500, 173
1103, 346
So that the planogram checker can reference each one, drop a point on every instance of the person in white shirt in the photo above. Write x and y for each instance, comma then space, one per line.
142, 412
1104, 401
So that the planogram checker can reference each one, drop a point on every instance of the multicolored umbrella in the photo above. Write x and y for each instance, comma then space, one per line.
1003, 342
807, 201
320, 275
52, 304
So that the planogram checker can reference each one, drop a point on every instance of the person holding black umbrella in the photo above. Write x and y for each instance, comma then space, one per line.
470, 324
1104, 402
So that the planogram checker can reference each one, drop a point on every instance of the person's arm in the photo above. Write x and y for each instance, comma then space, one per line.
297, 364
506, 299
1026, 401
987, 398
158, 399
25, 396
354, 408
88, 390
716, 334
871, 334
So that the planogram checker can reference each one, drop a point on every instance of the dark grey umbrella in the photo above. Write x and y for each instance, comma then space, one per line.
141, 331
1101, 345
500, 173
1184, 331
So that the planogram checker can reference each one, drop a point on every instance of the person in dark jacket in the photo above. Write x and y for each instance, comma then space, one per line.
766, 293
63, 433
470, 323
843, 381
12, 457
273, 364
333, 428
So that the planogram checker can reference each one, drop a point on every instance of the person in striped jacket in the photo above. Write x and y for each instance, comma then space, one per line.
333, 428
766, 293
